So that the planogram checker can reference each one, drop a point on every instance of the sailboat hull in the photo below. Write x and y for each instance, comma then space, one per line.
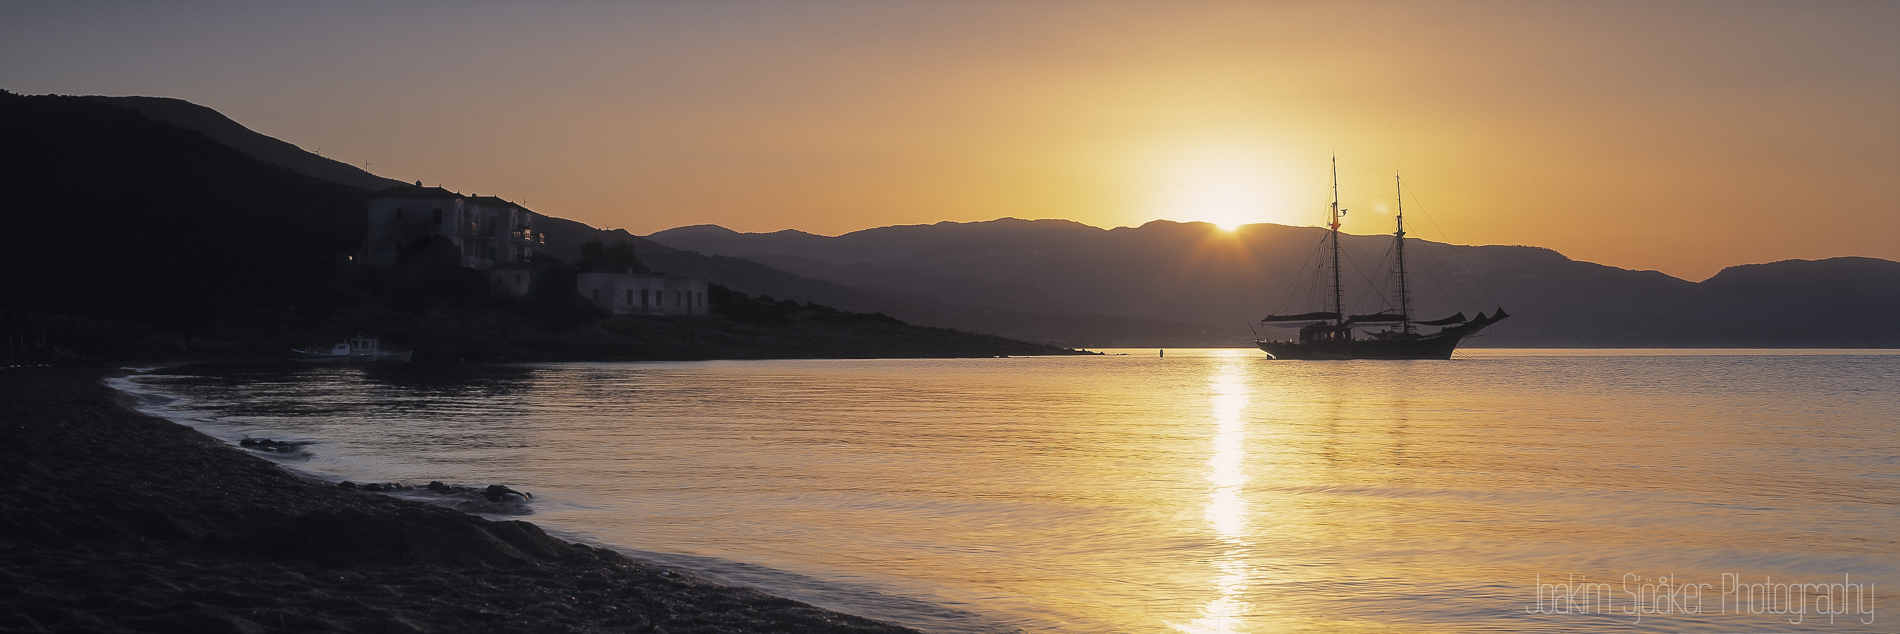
1438, 346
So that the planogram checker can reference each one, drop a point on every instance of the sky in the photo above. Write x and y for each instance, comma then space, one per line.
1680, 136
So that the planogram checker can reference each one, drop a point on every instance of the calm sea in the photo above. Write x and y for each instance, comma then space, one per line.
1207, 491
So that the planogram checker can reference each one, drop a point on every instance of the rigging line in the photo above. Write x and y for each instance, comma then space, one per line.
1454, 251
1301, 283
1312, 288
1287, 288
1438, 259
1387, 273
1435, 259
1441, 289
1370, 288
1362, 292
1367, 192
1372, 169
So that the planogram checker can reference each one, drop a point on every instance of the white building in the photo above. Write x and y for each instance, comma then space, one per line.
512, 281
504, 232
488, 230
644, 294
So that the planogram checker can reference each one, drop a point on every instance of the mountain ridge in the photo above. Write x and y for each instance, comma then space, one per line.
1174, 283
1198, 274
564, 236
152, 239
263, 147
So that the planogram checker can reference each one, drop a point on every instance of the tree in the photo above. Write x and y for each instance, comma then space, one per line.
618, 258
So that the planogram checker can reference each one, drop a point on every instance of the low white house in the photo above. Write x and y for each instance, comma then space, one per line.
512, 281
644, 294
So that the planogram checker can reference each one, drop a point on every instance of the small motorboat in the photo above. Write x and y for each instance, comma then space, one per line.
357, 349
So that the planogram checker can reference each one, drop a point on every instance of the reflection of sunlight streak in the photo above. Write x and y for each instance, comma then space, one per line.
1226, 511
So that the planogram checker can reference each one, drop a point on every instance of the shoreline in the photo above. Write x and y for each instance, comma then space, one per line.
112, 520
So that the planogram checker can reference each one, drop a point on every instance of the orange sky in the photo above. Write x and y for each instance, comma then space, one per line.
1678, 136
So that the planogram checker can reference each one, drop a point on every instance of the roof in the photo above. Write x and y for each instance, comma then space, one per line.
417, 191
495, 201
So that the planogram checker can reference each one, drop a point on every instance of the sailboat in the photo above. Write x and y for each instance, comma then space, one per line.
1331, 333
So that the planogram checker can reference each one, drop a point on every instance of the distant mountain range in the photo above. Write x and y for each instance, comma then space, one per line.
1193, 283
1161, 284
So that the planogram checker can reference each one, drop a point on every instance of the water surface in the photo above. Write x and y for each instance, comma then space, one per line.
1207, 491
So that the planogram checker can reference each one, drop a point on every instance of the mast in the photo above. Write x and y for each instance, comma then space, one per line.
1339, 304
1405, 297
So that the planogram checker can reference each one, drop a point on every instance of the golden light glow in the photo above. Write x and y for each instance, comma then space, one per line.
1227, 187
825, 117
1226, 510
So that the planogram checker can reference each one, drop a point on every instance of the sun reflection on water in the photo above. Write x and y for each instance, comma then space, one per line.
1204, 491
1226, 511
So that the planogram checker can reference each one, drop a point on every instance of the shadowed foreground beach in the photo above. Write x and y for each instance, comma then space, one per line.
112, 521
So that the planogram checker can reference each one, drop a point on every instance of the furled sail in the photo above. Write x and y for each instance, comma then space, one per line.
1454, 319
1380, 318
1301, 317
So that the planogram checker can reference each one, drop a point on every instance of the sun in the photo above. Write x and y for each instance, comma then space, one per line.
1226, 189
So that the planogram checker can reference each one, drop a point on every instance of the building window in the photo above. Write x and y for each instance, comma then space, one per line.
629, 297
438, 216
399, 213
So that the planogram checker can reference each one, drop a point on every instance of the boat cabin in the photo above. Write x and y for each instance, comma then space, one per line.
1321, 333
361, 345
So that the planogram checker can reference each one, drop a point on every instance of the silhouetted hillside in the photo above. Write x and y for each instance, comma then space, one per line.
129, 217
564, 236
881, 245
222, 129
138, 236
117, 216
1833, 302
1173, 283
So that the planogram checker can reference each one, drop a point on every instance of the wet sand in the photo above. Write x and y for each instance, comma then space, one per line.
113, 521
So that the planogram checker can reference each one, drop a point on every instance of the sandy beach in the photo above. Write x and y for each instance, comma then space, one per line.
113, 521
